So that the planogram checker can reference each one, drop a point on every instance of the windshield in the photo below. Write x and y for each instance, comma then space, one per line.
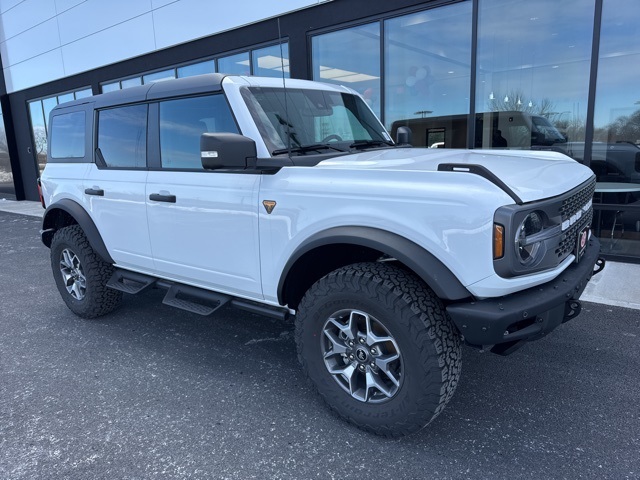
551, 133
311, 118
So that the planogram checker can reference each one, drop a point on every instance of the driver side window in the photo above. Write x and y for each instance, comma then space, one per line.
183, 121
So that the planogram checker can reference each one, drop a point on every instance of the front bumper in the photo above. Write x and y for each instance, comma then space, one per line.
507, 322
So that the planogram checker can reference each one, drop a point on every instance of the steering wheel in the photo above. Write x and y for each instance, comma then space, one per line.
334, 137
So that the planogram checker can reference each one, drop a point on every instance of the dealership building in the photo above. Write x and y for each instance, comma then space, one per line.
494, 74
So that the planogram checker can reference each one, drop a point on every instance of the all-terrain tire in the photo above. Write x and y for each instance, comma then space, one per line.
404, 310
81, 275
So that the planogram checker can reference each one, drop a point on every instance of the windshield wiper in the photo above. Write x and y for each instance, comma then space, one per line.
307, 148
371, 143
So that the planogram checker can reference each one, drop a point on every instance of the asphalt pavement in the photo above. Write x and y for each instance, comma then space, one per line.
153, 392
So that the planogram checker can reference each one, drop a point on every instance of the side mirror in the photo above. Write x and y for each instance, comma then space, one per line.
226, 151
403, 136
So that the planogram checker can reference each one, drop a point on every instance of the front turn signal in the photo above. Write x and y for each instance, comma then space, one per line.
498, 241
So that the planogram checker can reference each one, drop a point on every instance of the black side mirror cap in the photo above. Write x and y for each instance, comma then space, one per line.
228, 151
403, 136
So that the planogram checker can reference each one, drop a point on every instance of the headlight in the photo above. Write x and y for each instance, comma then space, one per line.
529, 248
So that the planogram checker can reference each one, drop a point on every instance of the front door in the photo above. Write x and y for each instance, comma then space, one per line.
203, 224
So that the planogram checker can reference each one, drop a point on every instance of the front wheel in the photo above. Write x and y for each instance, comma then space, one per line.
81, 275
379, 347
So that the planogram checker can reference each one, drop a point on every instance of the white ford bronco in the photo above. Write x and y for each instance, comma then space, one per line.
290, 199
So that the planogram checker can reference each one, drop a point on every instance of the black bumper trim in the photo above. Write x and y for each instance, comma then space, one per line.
529, 314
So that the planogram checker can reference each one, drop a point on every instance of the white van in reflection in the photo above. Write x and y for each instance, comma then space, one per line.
509, 129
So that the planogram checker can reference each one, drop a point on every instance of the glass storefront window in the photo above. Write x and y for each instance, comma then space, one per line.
48, 104
427, 75
159, 76
7, 189
110, 87
39, 132
235, 64
67, 97
350, 57
87, 92
197, 69
267, 62
615, 156
533, 74
131, 82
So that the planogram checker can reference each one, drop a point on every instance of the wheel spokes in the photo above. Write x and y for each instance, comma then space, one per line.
383, 363
337, 346
72, 274
375, 382
66, 261
362, 356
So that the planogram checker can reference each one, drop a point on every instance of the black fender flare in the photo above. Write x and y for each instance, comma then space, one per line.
431, 270
82, 218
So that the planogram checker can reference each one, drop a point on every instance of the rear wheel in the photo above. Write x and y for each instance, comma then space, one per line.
81, 275
379, 347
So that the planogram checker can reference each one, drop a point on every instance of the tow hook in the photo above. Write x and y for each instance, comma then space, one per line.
599, 266
571, 310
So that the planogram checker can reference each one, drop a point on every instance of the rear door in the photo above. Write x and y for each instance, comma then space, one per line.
203, 225
114, 187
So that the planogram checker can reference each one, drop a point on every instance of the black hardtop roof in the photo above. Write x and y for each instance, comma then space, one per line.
207, 83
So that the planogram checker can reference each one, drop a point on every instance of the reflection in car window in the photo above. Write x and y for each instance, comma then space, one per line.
67, 135
122, 136
183, 121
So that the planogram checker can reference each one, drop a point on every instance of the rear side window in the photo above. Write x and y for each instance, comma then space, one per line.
122, 136
68, 135
183, 121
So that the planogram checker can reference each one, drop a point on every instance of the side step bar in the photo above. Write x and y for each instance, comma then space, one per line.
130, 282
192, 299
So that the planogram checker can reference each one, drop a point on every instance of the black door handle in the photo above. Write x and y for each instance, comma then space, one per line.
156, 197
94, 191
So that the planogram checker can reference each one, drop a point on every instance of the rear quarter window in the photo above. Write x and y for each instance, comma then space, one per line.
68, 135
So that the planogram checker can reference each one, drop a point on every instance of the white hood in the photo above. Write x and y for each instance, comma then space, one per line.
531, 175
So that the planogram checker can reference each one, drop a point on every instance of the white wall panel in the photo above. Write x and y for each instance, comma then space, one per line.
161, 3
125, 40
50, 39
7, 4
25, 16
33, 42
95, 15
23, 74
188, 19
62, 5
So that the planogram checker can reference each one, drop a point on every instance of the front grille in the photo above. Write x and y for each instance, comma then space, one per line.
575, 202
570, 207
570, 237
